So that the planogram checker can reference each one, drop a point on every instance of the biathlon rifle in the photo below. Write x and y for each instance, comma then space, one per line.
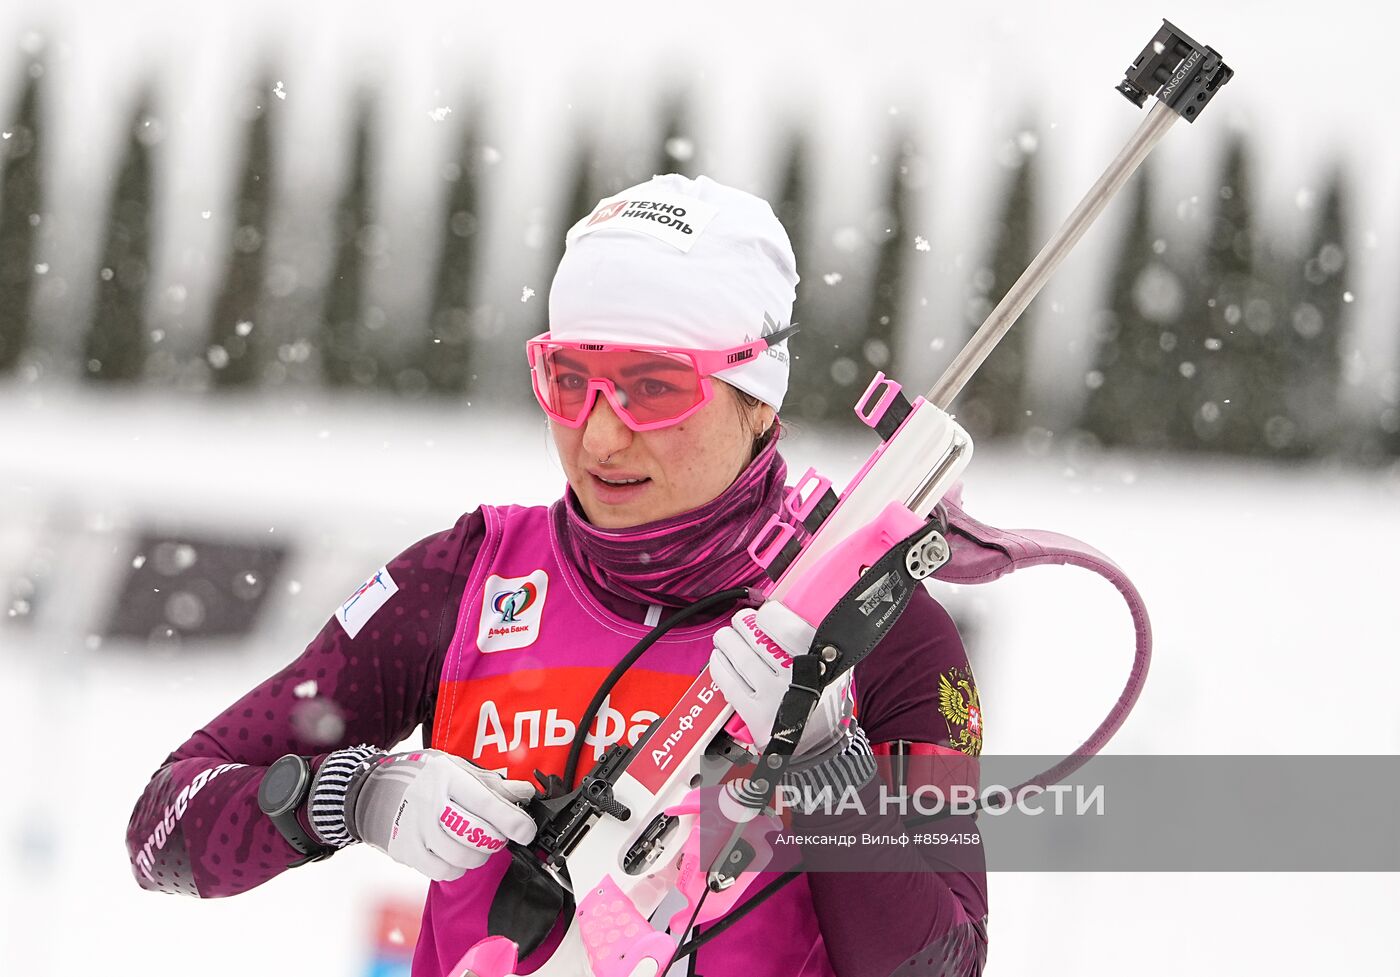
847, 564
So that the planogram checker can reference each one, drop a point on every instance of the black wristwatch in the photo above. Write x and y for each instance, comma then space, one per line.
282, 792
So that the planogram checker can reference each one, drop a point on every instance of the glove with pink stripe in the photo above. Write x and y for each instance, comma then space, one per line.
752, 665
428, 809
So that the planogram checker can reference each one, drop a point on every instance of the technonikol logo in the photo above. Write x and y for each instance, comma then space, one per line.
460, 825
607, 212
665, 214
675, 219
511, 610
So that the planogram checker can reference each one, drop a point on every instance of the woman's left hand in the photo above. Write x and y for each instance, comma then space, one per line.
752, 665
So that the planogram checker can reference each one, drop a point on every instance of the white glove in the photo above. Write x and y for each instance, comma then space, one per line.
436, 812
752, 665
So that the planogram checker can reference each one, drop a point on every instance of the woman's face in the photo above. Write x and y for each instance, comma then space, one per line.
626, 478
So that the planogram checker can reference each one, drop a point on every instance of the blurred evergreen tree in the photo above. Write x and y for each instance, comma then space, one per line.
1134, 379
446, 356
115, 347
993, 404
236, 334
1312, 334
810, 394
20, 201
1234, 379
585, 190
879, 343
347, 359
676, 152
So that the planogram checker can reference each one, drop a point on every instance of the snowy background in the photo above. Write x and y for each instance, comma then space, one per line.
1269, 585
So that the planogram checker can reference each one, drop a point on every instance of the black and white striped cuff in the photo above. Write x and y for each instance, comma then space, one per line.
327, 807
852, 765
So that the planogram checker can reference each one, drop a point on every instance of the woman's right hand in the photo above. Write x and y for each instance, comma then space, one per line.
433, 811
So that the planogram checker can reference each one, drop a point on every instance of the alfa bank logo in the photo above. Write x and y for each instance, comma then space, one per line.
511, 608
608, 212
511, 603
456, 822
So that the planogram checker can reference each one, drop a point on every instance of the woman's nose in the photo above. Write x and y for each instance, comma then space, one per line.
604, 434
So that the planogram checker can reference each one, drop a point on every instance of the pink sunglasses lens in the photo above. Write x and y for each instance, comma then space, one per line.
651, 387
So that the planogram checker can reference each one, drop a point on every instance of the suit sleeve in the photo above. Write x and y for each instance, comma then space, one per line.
880, 923
196, 828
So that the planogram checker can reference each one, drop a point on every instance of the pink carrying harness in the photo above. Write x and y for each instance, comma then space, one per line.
982, 553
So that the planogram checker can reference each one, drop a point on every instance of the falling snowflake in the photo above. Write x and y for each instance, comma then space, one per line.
205, 214
832, 278
1330, 258
490, 155
440, 113
920, 243
1027, 142
679, 148
844, 371
42, 268
243, 328
847, 239
318, 720
138, 561
526, 293
218, 357
279, 91
306, 690
1348, 297
6, 135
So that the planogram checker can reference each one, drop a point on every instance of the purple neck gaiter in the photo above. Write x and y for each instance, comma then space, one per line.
676, 561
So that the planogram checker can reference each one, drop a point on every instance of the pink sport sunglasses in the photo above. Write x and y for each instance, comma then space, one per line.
648, 387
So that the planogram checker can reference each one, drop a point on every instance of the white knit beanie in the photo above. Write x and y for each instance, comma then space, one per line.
680, 262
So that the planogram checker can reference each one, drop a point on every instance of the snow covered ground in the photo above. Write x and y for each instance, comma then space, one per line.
1271, 593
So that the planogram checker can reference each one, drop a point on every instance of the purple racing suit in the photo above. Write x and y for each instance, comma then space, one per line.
197, 829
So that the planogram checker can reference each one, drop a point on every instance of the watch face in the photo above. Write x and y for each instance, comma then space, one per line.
281, 785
